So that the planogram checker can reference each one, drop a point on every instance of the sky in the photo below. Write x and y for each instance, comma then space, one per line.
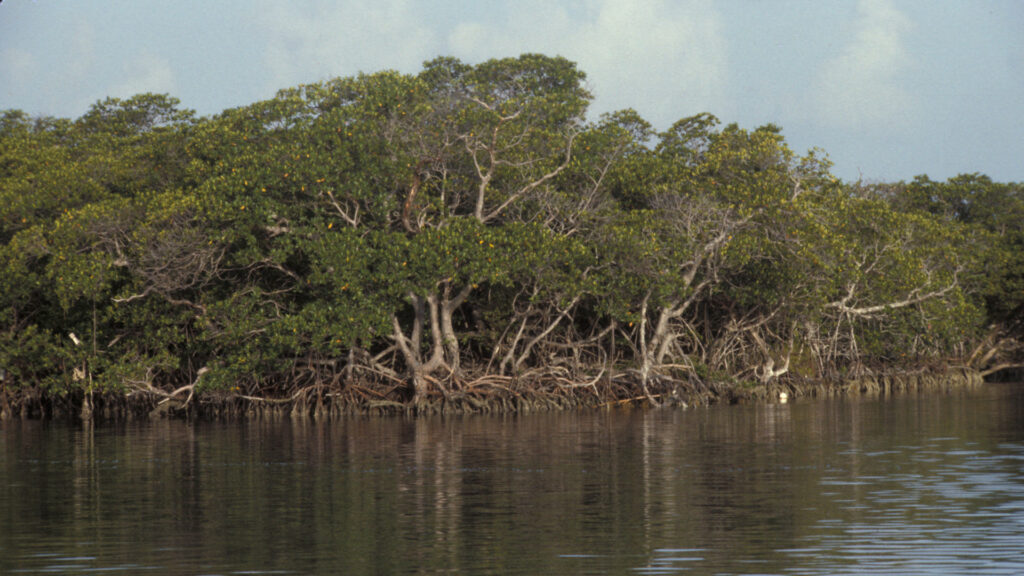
889, 89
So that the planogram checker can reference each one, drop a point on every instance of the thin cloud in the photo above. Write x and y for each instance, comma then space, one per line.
81, 53
17, 67
669, 56
145, 73
863, 84
314, 41
51, 75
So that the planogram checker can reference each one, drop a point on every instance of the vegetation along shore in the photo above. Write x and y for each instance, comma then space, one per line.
467, 239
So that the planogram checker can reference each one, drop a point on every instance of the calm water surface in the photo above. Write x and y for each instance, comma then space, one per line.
930, 484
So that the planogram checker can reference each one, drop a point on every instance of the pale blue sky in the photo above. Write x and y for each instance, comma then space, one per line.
888, 88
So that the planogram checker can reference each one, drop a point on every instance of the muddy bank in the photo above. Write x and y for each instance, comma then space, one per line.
323, 403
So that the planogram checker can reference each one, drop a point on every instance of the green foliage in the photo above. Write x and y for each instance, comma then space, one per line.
990, 218
274, 243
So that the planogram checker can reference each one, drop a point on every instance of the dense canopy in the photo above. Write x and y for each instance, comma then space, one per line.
467, 231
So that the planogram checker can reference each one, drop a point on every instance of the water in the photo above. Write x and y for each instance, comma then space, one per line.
930, 484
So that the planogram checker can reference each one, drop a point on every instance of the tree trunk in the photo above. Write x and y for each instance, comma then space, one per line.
444, 344
447, 307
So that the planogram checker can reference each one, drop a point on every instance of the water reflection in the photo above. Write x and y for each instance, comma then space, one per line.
922, 485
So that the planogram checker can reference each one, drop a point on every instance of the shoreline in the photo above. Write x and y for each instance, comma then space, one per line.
324, 404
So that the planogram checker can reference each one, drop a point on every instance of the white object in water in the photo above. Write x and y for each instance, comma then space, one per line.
783, 397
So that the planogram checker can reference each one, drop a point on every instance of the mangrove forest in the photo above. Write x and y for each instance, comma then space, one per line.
467, 238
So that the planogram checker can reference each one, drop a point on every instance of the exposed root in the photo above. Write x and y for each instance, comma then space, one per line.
538, 390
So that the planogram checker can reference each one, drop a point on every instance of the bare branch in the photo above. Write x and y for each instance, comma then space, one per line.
868, 311
535, 184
